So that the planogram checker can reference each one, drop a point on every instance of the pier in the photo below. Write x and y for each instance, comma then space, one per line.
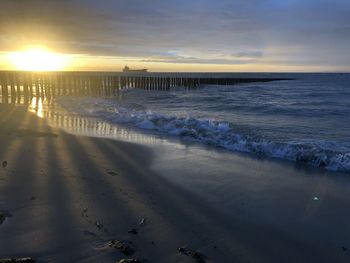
22, 86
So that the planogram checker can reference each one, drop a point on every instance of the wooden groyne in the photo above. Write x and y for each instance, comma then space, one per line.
16, 86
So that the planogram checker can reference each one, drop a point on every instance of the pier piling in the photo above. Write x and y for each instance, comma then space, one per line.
22, 87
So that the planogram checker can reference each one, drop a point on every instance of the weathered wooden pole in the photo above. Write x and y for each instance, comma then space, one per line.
12, 88
141, 82
4, 88
63, 84
83, 85
30, 86
48, 86
152, 83
25, 88
59, 85
148, 83
19, 84
116, 84
70, 84
41, 85
137, 81
167, 83
94, 85
54, 85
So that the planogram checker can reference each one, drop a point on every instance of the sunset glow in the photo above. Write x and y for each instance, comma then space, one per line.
37, 59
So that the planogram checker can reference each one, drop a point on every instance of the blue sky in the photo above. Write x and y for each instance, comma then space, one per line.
304, 35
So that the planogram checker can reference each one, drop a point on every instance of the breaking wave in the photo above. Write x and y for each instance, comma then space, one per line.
330, 155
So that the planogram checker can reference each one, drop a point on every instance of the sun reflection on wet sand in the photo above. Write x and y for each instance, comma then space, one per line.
36, 107
58, 117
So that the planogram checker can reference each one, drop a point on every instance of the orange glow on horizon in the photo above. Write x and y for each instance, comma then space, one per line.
42, 59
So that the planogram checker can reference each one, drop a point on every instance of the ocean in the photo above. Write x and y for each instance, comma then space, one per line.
304, 120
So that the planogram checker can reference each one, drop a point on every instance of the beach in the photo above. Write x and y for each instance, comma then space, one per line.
65, 198
174, 131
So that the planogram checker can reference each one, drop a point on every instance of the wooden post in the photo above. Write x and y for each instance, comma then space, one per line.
71, 84
25, 88
151, 87
53, 85
4, 88
41, 85
59, 85
12, 91
30, 83
49, 86
116, 85
19, 84
168, 83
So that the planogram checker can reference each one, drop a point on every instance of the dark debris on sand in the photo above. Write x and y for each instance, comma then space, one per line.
3, 216
4, 164
124, 246
198, 257
133, 231
113, 173
17, 260
129, 260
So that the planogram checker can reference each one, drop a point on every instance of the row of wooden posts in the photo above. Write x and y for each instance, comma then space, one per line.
23, 86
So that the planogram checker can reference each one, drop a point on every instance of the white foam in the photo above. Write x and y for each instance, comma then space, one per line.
216, 133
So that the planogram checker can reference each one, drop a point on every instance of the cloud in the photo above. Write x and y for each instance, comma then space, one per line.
248, 54
200, 31
194, 60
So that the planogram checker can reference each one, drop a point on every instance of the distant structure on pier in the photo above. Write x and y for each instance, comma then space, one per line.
127, 69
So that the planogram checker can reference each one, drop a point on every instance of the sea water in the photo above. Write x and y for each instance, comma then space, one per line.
306, 119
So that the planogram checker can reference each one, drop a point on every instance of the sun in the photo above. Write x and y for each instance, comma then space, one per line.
38, 59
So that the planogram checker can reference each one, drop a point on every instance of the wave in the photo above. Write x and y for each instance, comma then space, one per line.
331, 156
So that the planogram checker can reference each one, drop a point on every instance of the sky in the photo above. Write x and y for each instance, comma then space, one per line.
183, 35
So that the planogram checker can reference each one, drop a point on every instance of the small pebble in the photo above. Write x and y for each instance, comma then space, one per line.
142, 222
4, 164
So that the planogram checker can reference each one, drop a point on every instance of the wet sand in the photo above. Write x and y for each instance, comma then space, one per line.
65, 197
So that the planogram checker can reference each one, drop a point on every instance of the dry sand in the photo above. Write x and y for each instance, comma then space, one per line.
63, 198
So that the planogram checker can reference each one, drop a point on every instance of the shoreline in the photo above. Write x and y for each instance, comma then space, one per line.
69, 196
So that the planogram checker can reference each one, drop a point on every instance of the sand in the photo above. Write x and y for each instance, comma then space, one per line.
68, 198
